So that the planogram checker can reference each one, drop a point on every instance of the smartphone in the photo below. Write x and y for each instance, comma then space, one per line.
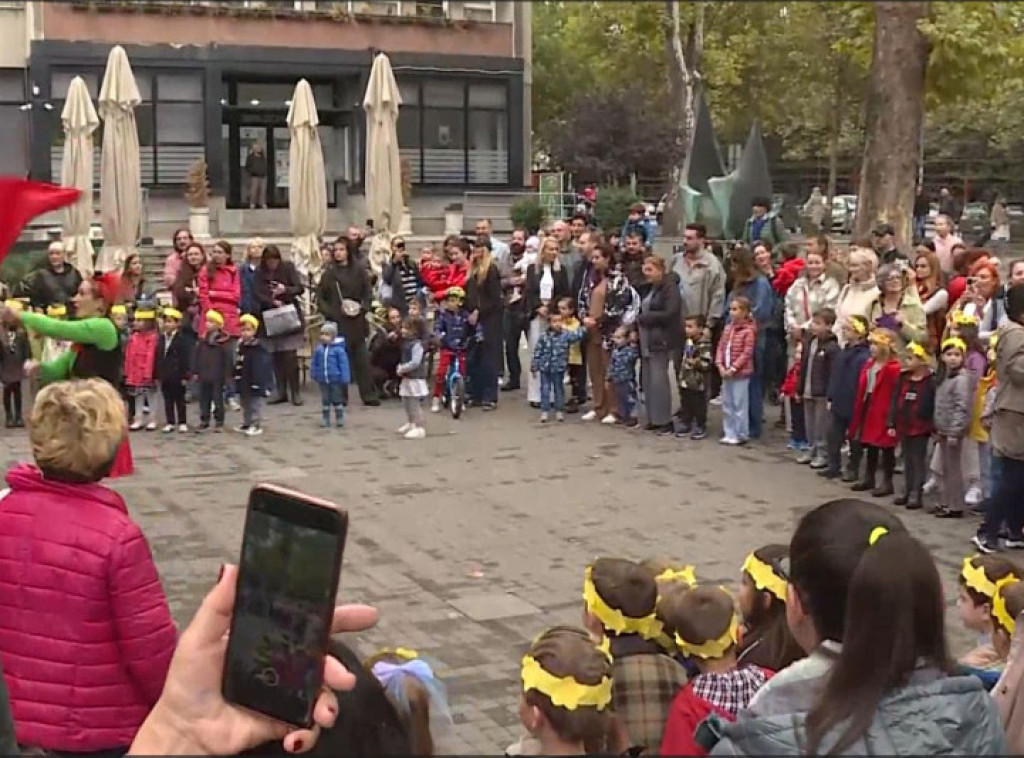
287, 583
369, 223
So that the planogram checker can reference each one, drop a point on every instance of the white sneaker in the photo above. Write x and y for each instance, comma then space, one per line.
435, 406
168, 429
973, 496
135, 425
416, 433
151, 426
234, 405
930, 486
729, 441
406, 427
182, 428
715, 401
609, 419
254, 430
544, 418
242, 429
559, 416
589, 416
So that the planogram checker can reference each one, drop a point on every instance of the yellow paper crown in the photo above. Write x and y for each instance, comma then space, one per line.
145, 315
118, 310
880, 338
711, 649
975, 578
686, 574
764, 577
648, 627
858, 326
15, 305
999, 610
964, 319
172, 313
56, 311
917, 350
564, 691
251, 320
955, 343
215, 317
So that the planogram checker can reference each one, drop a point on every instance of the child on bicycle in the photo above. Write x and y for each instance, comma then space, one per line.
453, 333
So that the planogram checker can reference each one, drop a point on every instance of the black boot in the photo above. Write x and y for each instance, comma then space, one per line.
292, 372
280, 381
916, 502
868, 482
885, 488
903, 499
8, 421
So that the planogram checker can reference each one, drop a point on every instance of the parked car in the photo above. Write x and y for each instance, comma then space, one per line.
975, 224
844, 211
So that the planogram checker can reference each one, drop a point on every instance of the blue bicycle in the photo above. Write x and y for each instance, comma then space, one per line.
455, 386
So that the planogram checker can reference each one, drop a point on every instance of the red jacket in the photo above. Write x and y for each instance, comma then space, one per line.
741, 339
870, 425
685, 714
221, 293
85, 635
791, 384
786, 274
140, 359
440, 277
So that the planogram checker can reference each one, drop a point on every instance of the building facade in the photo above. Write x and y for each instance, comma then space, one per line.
216, 78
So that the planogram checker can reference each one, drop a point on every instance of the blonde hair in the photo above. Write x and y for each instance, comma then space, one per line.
76, 428
481, 266
865, 255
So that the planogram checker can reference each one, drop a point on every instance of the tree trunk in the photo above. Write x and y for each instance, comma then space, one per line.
683, 78
895, 110
834, 127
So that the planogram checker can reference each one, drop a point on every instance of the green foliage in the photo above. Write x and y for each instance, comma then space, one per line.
528, 213
20, 264
612, 206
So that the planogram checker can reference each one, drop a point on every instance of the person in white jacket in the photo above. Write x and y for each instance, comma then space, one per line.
813, 290
857, 295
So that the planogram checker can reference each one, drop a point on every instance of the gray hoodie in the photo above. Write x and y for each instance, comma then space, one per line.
702, 285
953, 404
933, 715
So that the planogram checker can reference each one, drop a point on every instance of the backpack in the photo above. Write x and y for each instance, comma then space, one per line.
622, 303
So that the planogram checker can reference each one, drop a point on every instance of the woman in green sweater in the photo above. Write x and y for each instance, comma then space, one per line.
96, 352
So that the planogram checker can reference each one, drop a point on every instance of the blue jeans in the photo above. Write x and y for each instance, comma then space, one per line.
1006, 505
755, 408
332, 395
736, 408
551, 382
252, 405
625, 398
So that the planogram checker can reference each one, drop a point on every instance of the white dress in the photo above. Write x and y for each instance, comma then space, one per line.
537, 324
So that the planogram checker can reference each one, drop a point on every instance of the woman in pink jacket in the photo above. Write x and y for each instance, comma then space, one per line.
220, 289
86, 637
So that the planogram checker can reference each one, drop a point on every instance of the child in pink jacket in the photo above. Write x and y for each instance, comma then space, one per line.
735, 361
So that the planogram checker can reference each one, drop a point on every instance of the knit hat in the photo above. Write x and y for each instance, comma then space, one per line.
214, 317
250, 320
330, 328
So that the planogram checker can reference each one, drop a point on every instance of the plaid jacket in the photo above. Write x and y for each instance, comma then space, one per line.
645, 682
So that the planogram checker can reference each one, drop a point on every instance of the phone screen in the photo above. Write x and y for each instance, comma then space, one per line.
287, 584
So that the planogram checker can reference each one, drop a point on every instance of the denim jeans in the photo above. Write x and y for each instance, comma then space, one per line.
755, 407
252, 405
331, 394
1006, 505
552, 382
736, 409
625, 398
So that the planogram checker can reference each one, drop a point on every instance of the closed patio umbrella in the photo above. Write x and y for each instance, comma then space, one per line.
80, 121
384, 202
307, 185
120, 180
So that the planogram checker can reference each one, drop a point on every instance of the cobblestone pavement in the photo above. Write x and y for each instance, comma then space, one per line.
472, 541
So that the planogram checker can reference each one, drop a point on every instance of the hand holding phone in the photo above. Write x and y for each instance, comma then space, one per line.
281, 623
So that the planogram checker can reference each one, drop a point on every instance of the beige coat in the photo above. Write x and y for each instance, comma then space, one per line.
1008, 419
1008, 693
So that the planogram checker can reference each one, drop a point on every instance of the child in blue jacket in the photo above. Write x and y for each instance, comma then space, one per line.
331, 371
550, 360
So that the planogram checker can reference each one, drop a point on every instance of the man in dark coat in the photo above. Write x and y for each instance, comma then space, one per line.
57, 282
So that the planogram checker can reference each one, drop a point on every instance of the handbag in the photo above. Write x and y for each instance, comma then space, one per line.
282, 321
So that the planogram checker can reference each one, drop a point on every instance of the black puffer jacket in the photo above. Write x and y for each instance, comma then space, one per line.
345, 282
51, 288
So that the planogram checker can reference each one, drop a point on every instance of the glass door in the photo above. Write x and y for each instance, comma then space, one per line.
281, 142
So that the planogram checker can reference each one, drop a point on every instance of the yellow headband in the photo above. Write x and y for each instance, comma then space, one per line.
147, 314
954, 342
915, 349
880, 338
964, 319
250, 320
15, 305
613, 619
858, 326
974, 578
876, 534
564, 691
118, 310
999, 610
686, 575
712, 648
56, 310
764, 577
172, 313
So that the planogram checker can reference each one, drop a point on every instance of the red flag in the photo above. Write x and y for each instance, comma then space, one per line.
22, 200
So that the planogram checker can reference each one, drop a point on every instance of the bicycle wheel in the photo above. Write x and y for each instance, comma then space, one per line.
458, 397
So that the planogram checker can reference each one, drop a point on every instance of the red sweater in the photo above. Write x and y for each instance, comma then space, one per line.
85, 635
140, 359
870, 425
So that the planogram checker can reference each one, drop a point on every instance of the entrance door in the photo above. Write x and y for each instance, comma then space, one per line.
275, 141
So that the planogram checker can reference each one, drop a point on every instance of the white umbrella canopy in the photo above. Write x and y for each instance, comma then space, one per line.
307, 183
80, 121
120, 180
383, 174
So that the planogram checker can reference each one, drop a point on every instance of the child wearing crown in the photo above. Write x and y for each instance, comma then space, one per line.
765, 639
1008, 638
669, 574
910, 421
870, 425
703, 621
567, 696
978, 578
620, 599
